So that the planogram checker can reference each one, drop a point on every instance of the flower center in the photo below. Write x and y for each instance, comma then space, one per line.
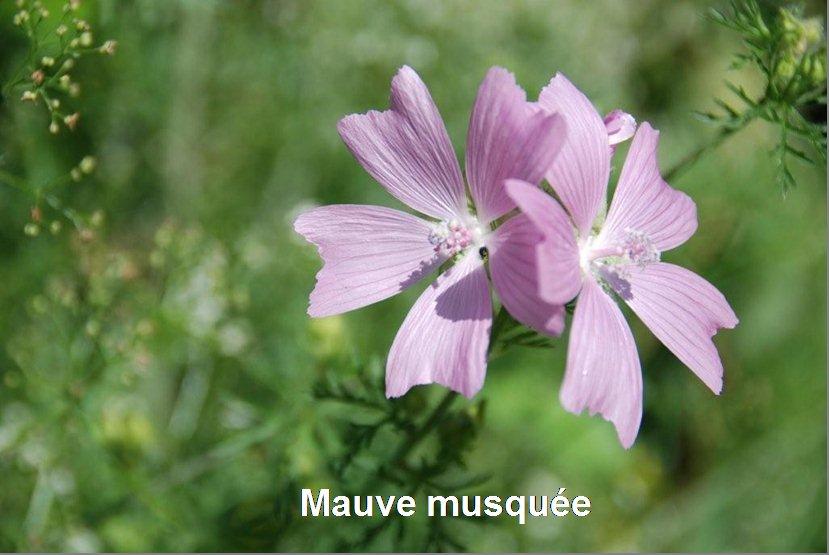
453, 237
635, 247
639, 249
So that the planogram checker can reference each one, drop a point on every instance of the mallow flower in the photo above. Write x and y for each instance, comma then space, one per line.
371, 252
618, 257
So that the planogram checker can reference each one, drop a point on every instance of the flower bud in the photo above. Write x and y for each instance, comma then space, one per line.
55, 227
71, 121
47, 61
54, 128
86, 38
38, 76
75, 174
29, 95
97, 218
109, 47
88, 164
32, 230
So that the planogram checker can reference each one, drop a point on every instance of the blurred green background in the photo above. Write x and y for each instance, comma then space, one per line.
156, 379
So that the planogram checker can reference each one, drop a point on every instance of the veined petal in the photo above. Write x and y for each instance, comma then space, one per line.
603, 373
369, 253
508, 137
684, 312
644, 203
445, 336
513, 265
580, 172
559, 274
407, 150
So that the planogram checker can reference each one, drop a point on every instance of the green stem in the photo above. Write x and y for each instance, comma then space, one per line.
431, 422
14, 182
498, 325
693, 157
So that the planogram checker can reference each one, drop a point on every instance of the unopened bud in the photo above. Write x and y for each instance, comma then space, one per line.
47, 61
55, 227
32, 230
29, 95
97, 218
109, 47
86, 38
54, 128
88, 164
38, 76
71, 121
75, 174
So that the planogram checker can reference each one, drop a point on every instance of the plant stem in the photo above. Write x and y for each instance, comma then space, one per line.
685, 163
433, 420
14, 182
498, 325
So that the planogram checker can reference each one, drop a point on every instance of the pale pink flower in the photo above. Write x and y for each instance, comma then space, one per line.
371, 253
594, 260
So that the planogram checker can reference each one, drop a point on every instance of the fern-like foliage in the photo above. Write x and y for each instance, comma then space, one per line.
789, 51
411, 446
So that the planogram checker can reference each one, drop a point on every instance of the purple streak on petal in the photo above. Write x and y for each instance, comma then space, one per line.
513, 265
684, 311
559, 275
407, 150
603, 373
620, 127
369, 253
508, 137
445, 336
580, 172
643, 202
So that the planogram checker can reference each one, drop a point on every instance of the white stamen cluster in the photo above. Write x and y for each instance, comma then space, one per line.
450, 238
639, 249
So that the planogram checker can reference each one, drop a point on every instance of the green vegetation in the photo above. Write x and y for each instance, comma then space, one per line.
161, 387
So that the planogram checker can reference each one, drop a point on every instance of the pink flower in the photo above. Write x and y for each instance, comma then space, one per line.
371, 253
619, 256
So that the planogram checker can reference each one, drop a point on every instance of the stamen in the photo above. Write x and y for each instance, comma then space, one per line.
638, 248
450, 238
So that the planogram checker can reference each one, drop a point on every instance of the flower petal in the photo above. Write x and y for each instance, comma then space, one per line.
620, 127
508, 137
445, 336
580, 172
513, 265
407, 150
684, 311
559, 278
645, 203
369, 252
603, 373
